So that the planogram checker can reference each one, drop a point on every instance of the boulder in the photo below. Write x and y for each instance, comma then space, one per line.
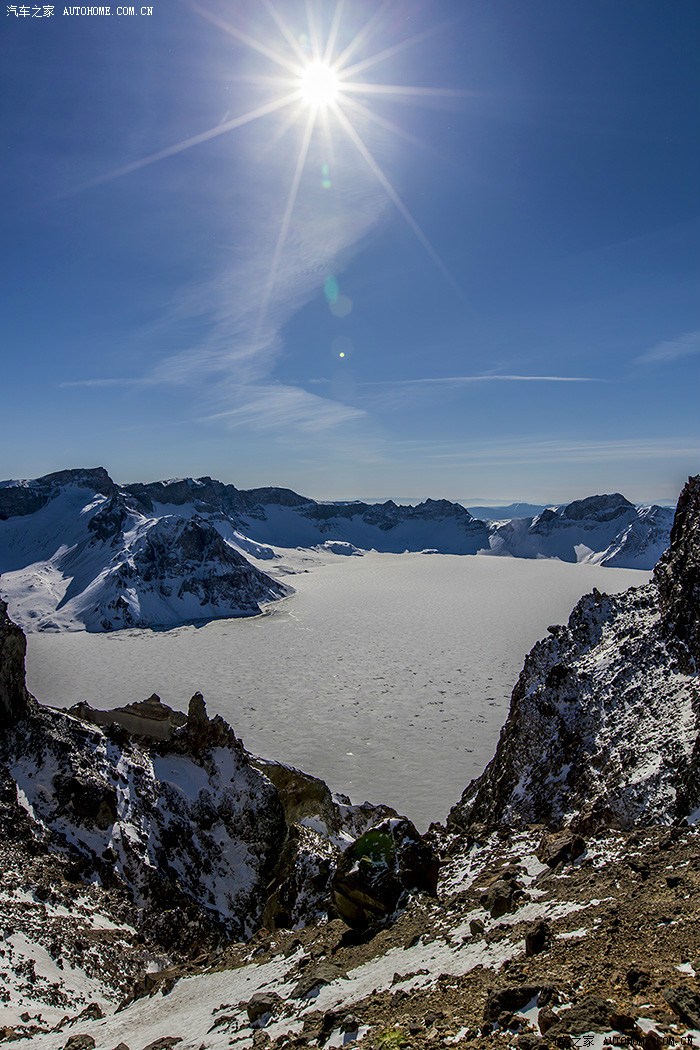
80, 1042
316, 976
262, 1003
685, 1003
560, 848
376, 873
515, 997
592, 1014
538, 938
501, 897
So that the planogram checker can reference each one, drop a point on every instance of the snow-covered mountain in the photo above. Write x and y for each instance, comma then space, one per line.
603, 530
78, 551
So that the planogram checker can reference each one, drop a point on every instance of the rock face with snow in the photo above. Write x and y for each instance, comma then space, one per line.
173, 808
603, 530
84, 554
678, 573
604, 722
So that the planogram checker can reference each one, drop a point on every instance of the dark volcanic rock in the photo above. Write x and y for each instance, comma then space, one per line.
262, 1003
538, 938
590, 1015
561, 847
14, 698
80, 1042
685, 1003
315, 976
379, 869
110, 520
515, 997
89, 803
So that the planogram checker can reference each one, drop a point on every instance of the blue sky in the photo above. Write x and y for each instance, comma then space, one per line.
507, 263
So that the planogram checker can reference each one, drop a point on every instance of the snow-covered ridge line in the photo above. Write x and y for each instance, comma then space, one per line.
78, 551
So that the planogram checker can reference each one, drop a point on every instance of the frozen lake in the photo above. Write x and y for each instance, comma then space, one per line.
387, 675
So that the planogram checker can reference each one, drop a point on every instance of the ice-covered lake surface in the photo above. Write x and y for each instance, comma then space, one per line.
387, 675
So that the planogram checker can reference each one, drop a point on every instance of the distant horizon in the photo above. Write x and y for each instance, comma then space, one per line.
467, 502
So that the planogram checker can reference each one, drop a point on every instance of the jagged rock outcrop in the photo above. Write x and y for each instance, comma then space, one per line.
677, 575
194, 835
604, 723
14, 698
172, 808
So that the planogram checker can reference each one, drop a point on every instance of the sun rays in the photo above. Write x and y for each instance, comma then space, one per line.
314, 78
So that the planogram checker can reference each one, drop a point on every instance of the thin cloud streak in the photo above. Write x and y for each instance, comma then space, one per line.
554, 451
687, 345
464, 380
126, 381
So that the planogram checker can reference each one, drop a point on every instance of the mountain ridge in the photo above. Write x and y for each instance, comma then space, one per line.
78, 551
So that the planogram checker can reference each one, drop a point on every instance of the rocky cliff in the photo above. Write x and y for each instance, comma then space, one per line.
604, 721
172, 808
14, 699
677, 575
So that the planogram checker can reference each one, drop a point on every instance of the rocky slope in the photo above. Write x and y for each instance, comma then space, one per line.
77, 551
164, 820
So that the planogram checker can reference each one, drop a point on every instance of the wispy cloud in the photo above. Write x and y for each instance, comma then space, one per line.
686, 345
558, 451
126, 381
275, 406
244, 307
276, 261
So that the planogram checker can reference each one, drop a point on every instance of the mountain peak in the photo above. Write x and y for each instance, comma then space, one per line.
602, 508
95, 477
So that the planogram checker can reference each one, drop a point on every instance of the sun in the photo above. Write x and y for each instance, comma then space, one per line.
316, 81
319, 85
